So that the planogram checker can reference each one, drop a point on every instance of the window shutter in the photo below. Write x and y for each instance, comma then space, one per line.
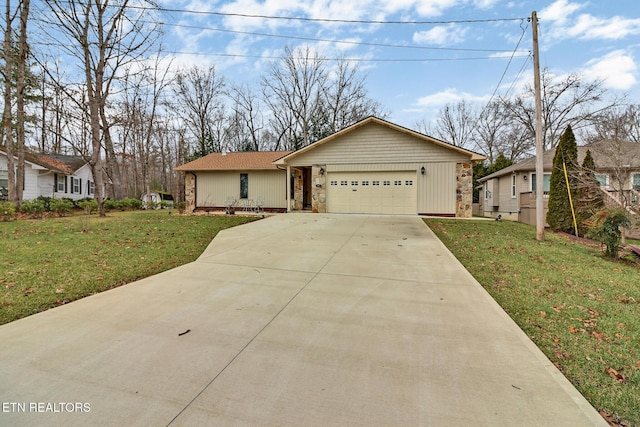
80, 185
55, 182
65, 184
71, 184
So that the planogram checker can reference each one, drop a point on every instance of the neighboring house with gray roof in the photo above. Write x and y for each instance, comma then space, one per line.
511, 192
49, 175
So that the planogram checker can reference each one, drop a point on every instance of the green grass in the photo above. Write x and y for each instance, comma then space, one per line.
49, 262
580, 309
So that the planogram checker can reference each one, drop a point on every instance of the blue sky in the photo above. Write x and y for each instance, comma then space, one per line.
421, 66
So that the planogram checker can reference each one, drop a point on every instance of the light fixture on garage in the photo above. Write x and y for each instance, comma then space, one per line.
524, 177
423, 170
321, 171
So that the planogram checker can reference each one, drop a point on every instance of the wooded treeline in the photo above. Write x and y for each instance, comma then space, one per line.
134, 116
109, 93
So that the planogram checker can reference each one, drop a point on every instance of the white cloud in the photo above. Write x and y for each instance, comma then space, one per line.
589, 27
559, 11
441, 35
448, 96
617, 70
564, 24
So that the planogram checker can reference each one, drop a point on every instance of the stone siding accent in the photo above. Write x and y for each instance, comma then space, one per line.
190, 192
318, 190
464, 190
298, 189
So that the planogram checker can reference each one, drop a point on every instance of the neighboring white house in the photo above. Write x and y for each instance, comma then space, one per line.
48, 175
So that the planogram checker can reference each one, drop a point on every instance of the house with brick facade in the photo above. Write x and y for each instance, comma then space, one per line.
373, 166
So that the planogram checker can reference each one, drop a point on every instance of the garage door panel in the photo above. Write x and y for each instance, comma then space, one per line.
372, 192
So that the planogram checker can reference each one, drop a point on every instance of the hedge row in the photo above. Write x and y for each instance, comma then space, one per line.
62, 207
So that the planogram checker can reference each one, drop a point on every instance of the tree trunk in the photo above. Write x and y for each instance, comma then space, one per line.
20, 88
7, 114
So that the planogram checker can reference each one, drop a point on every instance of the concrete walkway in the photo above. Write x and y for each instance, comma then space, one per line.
295, 320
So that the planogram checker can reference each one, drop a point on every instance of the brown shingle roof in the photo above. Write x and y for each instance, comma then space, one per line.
243, 160
55, 162
52, 164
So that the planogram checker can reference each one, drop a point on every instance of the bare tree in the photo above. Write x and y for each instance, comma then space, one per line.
198, 92
454, 124
569, 100
294, 85
618, 123
23, 50
247, 121
495, 133
15, 170
103, 38
8, 91
345, 99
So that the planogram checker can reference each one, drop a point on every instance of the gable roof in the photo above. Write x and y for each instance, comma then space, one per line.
241, 160
605, 155
59, 163
371, 119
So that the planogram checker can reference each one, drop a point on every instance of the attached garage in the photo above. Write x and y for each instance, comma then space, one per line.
371, 167
372, 192
375, 166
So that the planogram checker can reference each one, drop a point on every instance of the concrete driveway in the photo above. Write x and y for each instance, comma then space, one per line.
300, 320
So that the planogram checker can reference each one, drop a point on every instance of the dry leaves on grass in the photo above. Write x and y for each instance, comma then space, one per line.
616, 375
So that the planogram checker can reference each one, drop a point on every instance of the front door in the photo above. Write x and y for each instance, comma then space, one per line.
306, 188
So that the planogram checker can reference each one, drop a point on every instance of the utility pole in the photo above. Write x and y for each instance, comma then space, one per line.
539, 146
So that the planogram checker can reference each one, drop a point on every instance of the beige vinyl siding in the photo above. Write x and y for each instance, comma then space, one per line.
505, 201
377, 144
493, 187
215, 187
437, 189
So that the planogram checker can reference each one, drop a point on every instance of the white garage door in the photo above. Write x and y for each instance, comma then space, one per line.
372, 192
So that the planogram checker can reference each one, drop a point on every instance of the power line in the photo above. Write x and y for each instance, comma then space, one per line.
342, 21
350, 42
231, 55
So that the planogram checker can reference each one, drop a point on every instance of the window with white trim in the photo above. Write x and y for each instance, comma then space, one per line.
76, 185
546, 181
513, 186
61, 180
603, 179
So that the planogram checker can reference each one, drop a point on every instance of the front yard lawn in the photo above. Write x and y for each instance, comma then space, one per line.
581, 309
49, 262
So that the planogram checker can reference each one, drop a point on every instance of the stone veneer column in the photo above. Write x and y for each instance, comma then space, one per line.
464, 190
190, 192
318, 190
298, 189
